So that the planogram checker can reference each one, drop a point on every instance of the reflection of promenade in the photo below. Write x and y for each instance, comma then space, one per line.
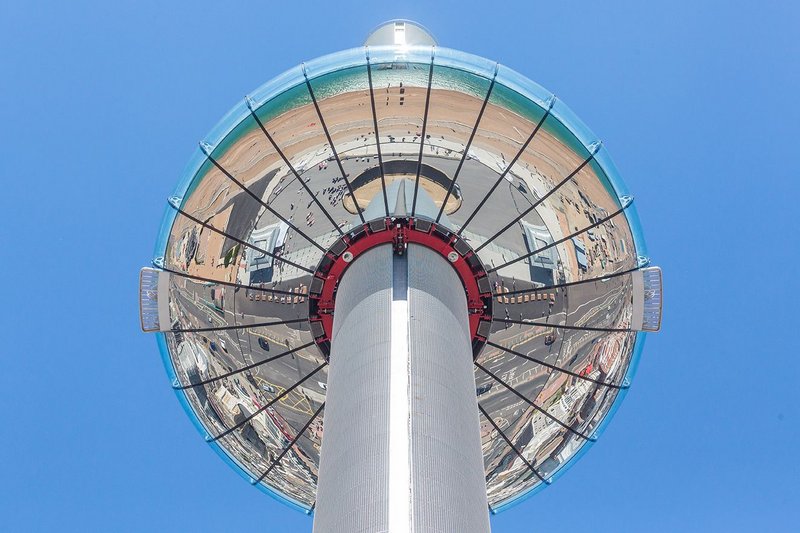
314, 204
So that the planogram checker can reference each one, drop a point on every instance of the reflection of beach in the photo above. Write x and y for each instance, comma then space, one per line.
451, 119
252, 156
207, 259
547, 158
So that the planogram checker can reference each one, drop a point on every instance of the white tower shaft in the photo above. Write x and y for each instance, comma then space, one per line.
401, 451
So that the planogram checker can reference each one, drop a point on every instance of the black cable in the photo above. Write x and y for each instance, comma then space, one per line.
269, 404
533, 404
240, 241
228, 283
468, 145
508, 168
556, 368
570, 284
377, 137
333, 148
568, 237
511, 445
238, 370
277, 459
559, 326
260, 201
422, 137
538, 202
239, 326
294, 171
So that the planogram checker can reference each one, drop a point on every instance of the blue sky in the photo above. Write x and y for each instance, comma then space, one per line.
102, 103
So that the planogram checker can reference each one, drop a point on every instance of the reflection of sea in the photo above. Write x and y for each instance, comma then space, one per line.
355, 79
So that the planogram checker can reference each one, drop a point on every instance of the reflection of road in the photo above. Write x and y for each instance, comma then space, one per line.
599, 304
291, 200
294, 400
239, 347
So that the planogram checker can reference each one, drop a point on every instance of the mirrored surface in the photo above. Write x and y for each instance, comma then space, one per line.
507, 171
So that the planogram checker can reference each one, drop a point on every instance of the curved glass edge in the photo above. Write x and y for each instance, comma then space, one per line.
193, 166
403, 54
281, 83
447, 57
524, 86
414, 54
220, 451
601, 427
355, 57
351, 57
562, 112
227, 123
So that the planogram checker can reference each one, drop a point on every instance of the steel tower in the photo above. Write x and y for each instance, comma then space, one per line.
417, 253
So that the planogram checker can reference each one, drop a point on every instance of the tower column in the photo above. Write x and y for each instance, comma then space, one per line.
401, 451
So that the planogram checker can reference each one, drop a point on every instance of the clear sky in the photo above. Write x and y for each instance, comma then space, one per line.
102, 103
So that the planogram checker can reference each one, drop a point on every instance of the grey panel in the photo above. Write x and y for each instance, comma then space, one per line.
353, 480
449, 487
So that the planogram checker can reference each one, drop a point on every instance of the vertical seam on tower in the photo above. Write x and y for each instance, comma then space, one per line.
400, 509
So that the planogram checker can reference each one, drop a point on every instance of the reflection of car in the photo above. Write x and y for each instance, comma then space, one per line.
323, 386
268, 388
549, 339
263, 343
213, 346
222, 345
483, 389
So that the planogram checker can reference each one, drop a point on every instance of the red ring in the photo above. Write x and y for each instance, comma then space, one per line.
400, 232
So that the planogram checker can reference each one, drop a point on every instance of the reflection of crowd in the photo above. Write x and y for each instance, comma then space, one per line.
335, 193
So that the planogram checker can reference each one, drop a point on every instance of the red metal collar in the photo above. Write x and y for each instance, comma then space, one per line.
399, 232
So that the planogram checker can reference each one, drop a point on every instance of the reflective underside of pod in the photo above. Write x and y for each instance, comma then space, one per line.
312, 157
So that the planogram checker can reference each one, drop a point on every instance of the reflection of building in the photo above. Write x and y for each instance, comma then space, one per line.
270, 239
544, 262
580, 254
192, 358
397, 396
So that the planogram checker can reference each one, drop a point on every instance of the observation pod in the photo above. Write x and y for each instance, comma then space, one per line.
419, 254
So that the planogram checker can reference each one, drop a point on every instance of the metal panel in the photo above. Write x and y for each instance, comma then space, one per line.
153, 300
647, 299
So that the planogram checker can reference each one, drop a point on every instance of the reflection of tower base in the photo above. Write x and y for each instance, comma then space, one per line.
401, 450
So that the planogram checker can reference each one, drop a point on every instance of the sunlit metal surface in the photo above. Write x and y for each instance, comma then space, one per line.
653, 303
152, 310
294, 167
